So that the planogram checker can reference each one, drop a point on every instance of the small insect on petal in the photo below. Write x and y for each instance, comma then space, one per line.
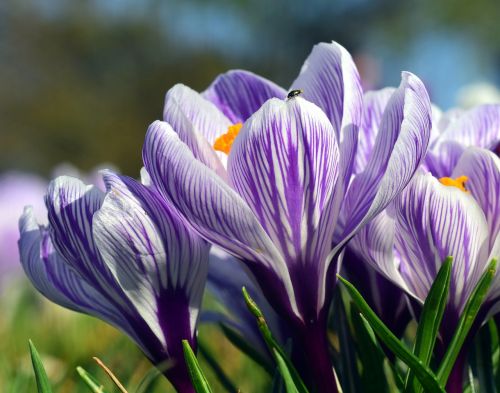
294, 93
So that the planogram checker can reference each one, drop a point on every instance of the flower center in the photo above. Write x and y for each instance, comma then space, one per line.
459, 182
225, 141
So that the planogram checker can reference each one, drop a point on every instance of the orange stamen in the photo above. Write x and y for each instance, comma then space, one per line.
459, 182
225, 141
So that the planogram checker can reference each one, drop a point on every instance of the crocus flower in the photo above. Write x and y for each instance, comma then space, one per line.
17, 189
124, 257
433, 219
283, 200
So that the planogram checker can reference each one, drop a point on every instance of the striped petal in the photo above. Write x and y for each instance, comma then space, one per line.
434, 221
329, 79
284, 164
482, 168
441, 161
158, 262
198, 123
479, 126
399, 148
238, 94
211, 207
71, 206
374, 104
58, 281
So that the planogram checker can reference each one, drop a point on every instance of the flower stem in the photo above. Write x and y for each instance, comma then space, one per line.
312, 359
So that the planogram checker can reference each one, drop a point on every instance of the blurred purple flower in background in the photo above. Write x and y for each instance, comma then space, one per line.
17, 190
124, 257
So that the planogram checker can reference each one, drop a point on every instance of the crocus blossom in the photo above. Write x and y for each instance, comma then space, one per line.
284, 200
431, 221
124, 257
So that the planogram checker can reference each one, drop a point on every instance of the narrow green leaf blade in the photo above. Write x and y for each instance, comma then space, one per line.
239, 342
198, 379
285, 373
423, 373
216, 368
42, 381
466, 320
370, 354
272, 344
430, 320
94, 385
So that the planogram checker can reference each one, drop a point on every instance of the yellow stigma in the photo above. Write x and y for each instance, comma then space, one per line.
225, 141
459, 182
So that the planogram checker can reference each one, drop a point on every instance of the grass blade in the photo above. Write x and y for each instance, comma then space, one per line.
430, 320
94, 385
216, 368
465, 322
198, 379
422, 372
274, 347
42, 381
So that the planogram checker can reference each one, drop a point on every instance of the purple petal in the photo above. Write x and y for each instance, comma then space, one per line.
434, 221
238, 94
477, 127
153, 256
440, 162
284, 164
58, 281
330, 79
209, 205
374, 104
374, 244
198, 123
399, 148
482, 167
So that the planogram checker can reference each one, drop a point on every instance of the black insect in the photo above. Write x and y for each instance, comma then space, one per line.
294, 93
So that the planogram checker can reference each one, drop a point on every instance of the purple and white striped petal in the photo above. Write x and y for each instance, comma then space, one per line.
374, 104
59, 282
157, 261
374, 244
71, 205
238, 94
285, 165
399, 148
210, 206
434, 221
482, 167
479, 126
198, 123
441, 161
329, 79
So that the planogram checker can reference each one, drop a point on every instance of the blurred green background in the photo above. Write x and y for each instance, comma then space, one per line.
80, 80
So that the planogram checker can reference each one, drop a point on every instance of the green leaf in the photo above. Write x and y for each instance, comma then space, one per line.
370, 355
198, 379
42, 381
422, 372
430, 320
94, 385
465, 322
480, 358
273, 346
239, 342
